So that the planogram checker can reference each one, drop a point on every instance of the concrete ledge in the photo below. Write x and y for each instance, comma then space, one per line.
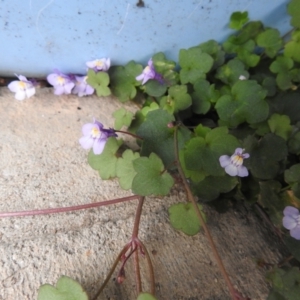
42, 165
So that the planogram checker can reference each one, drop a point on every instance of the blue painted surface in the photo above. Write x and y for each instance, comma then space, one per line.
38, 36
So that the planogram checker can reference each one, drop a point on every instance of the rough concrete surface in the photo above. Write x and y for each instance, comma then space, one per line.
42, 165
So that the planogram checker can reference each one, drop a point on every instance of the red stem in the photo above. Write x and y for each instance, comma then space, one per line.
233, 293
65, 209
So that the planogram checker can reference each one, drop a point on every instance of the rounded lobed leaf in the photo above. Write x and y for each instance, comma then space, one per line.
183, 217
66, 289
151, 178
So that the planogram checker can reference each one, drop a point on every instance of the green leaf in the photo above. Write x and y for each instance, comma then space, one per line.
145, 296
195, 176
281, 64
275, 296
212, 48
294, 143
249, 59
159, 138
66, 289
292, 177
292, 48
202, 154
286, 104
285, 282
165, 68
270, 40
194, 64
202, 131
123, 82
183, 217
293, 246
123, 117
280, 125
154, 88
248, 32
212, 186
161, 64
294, 10
238, 20
99, 81
105, 163
177, 99
246, 104
151, 177
231, 45
124, 168
204, 94
269, 83
231, 72
269, 198
146, 109
266, 155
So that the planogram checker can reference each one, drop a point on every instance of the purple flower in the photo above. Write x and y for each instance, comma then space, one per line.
81, 87
149, 73
234, 164
95, 136
62, 83
102, 64
23, 88
291, 221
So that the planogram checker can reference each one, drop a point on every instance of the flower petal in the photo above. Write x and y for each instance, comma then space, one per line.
99, 146
224, 161
295, 232
242, 171
245, 155
238, 151
59, 90
68, 87
52, 79
20, 95
289, 222
86, 142
14, 86
87, 128
291, 211
30, 92
231, 170
22, 78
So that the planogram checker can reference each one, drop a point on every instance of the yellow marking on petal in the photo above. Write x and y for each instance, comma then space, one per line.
237, 160
147, 69
95, 132
99, 63
60, 80
22, 84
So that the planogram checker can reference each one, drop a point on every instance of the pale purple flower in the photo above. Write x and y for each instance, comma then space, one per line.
82, 88
149, 73
242, 77
102, 64
95, 136
63, 84
234, 164
23, 88
291, 221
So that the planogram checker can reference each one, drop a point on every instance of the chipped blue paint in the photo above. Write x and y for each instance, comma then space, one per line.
38, 36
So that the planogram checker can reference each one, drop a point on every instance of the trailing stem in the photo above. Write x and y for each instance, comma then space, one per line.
234, 294
48, 211
132, 248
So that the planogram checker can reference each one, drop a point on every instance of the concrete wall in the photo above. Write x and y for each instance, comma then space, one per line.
40, 35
